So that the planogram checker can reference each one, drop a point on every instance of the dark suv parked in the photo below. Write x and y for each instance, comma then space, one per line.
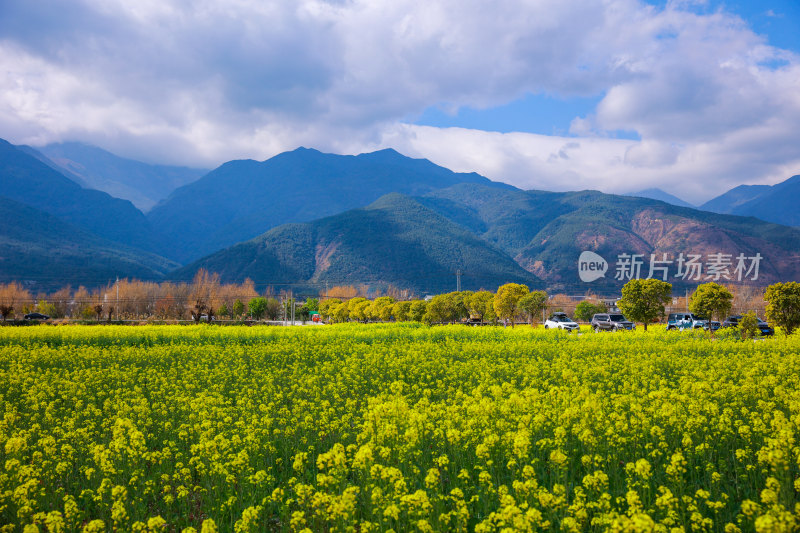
611, 322
763, 327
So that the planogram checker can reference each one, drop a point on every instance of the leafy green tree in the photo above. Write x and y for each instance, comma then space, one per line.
46, 308
710, 300
438, 310
326, 307
645, 300
357, 308
257, 307
401, 311
480, 304
381, 308
783, 305
748, 325
506, 301
585, 310
238, 308
274, 308
223, 310
446, 308
312, 304
417, 310
533, 303
341, 312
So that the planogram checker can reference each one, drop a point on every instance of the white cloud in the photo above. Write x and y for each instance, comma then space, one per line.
202, 82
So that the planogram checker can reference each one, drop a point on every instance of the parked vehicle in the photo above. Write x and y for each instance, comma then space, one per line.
764, 328
561, 321
36, 316
684, 321
611, 322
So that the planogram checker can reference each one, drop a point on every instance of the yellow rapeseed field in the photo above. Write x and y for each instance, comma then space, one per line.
395, 427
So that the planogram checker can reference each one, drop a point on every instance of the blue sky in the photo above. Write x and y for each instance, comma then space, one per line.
691, 96
550, 114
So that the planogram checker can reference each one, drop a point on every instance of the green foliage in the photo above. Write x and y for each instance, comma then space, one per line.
783, 308
748, 325
381, 308
312, 304
238, 308
46, 308
645, 300
257, 307
401, 311
223, 310
327, 306
273, 308
711, 300
506, 300
444, 308
481, 305
417, 311
585, 310
533, 303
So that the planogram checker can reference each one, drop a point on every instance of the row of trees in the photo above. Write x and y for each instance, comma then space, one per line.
646, 300
643, 301
204, 298
509, 303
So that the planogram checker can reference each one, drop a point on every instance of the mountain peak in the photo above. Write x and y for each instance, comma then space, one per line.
655, 193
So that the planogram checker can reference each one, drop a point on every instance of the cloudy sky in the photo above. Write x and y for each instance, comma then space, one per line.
693, 97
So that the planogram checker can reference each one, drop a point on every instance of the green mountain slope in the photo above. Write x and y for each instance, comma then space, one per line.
395, 240
28, 180
546, 232
48, 253
242, 199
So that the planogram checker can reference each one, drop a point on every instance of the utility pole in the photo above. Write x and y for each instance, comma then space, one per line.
117, 298
458, 280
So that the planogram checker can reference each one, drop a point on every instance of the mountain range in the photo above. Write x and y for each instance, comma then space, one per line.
241, 199
306, 219
774, 203
93, 168
48, 253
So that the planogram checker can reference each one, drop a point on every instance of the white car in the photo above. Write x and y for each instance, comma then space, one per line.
561, 321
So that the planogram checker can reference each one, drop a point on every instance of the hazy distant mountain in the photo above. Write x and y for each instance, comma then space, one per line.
50, 163
726, 203
658, 194
242, 199
395, 240
48, 253
143, 184
773, 203
26, 179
